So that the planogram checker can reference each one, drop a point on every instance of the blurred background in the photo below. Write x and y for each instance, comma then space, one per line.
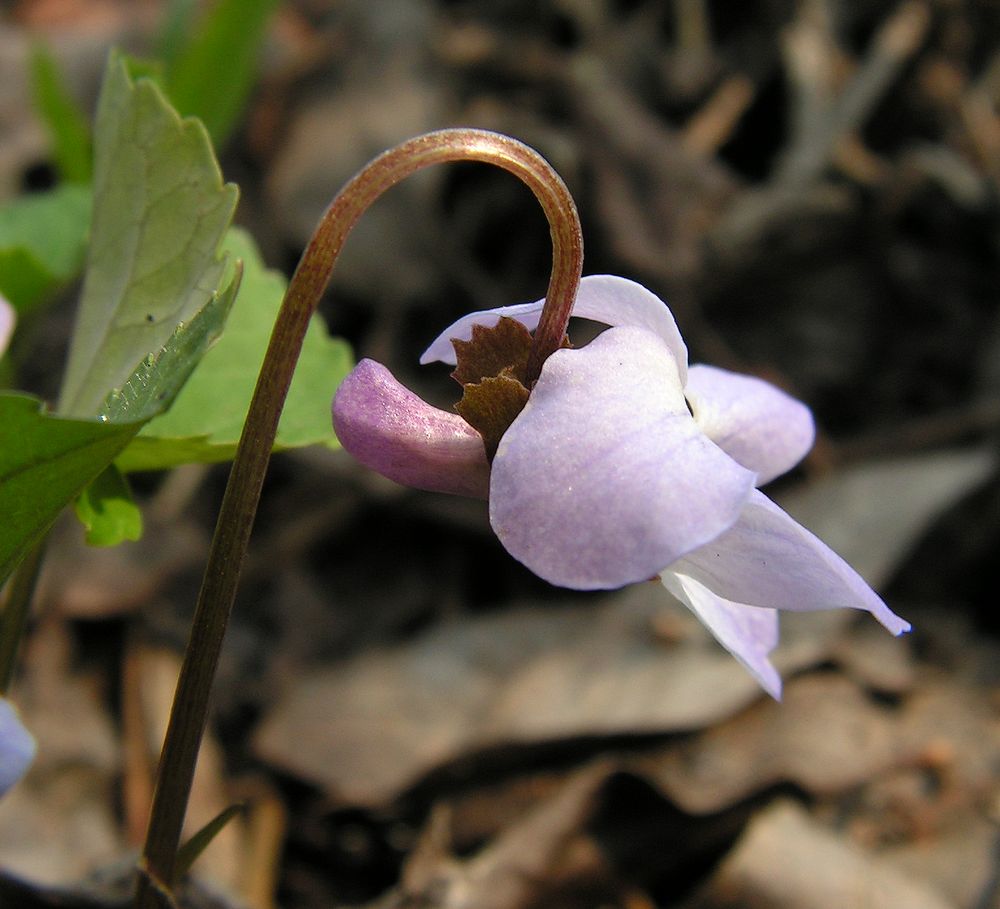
411, 718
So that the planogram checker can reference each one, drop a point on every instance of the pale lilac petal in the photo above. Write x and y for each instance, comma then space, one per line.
17, 746
751, 420
7, 320
392, 431
749, 633
604, 477
768, 559
601, 298
441, 349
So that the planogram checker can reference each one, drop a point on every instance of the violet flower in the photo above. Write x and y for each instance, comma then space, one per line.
625, 465
17, 747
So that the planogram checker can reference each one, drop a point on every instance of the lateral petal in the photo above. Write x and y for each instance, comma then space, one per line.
754, 422
604, 477
394, 432
749, 633
602, 298
768, 559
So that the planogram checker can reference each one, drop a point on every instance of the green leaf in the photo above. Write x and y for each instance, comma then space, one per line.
43, 240
24, 281
105, 507
205, 422
160, 212
175, 30
66, 124
107, 511
150, 308
156, 381
45, 463
212, 76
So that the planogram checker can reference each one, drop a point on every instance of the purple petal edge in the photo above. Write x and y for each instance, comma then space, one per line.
768, 559
601, 298
394, 432
749, 633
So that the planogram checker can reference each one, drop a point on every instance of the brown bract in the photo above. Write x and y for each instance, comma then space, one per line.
492, 351
490, 406
492, 370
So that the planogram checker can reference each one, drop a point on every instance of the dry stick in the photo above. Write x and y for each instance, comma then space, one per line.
897, 40
978, 109
810, 56
267, 825
232, 534
712, 126
137, 762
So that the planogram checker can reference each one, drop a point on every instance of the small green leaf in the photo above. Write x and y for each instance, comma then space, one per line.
66, 123
205, 422
211, 77
24, 281
160, 212
45, 463
188, 854
156, 381
43, 241
107, 511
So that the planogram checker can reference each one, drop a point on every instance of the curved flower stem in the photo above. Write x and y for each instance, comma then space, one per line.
232, 534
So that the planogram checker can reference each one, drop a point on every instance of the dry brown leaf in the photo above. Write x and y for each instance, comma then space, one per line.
873, 513
221, 862
960, 861
83, 582
373, 726
786, 860
520, 869
826, 736
876, 659
58, 823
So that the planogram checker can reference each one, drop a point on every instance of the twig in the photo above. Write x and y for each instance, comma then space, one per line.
821, 124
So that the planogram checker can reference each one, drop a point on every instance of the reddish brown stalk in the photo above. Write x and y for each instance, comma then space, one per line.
232, 534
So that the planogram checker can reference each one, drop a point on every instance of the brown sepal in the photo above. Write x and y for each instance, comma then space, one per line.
505, 346
490, 406
492, 370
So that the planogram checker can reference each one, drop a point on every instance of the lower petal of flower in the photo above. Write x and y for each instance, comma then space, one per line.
17, 746
392, 431
604, 477
749, 633
768, 559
